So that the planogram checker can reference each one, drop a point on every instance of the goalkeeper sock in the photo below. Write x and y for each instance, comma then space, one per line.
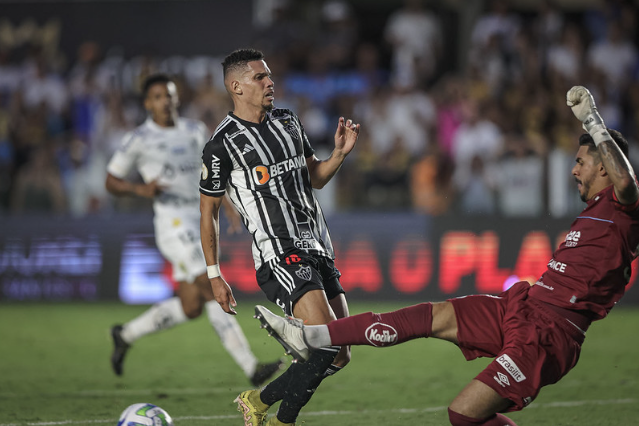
380, 329
160, 316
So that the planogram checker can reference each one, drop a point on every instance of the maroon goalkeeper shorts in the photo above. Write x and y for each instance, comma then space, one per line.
533, 345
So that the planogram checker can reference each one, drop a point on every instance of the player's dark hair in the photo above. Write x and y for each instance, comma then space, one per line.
154, 79
622, 143
239, 58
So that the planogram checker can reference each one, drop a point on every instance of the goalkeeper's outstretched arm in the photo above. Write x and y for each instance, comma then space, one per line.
613, 159
620, 172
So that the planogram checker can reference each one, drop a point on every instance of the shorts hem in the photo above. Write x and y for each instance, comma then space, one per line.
500, 391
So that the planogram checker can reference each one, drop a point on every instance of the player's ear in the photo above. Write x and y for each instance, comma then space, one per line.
236, 87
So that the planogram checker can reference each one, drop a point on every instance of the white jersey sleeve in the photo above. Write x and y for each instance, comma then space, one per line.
205, 132
125, 158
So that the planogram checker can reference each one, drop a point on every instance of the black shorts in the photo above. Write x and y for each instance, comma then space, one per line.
284, 282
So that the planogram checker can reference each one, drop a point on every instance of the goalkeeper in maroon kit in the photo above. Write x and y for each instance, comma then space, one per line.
534, 332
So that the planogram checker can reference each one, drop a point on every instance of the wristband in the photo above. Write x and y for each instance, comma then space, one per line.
213, 271
600, 134
592, 121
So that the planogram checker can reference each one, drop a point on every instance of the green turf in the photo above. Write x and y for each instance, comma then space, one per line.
54, 369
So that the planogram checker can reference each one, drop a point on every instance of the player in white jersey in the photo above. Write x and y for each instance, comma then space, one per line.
165, 150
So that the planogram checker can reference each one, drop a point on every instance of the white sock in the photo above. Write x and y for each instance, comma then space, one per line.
232, 337
317, 336
160, 316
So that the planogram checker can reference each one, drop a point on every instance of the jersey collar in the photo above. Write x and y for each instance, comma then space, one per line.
245, 123
154, 126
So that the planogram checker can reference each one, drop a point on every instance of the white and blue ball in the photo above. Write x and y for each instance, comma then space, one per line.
144, 414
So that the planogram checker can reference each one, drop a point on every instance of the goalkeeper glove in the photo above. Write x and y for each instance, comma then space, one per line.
583, 106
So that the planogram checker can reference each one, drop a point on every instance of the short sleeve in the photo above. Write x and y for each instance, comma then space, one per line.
124, 159
216, 168
308, 149
629, 208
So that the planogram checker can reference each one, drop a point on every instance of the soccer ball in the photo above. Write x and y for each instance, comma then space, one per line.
143, 414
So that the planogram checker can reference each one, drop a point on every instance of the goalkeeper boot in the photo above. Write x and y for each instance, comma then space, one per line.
120, 348
263, 372
252, 408
288, 331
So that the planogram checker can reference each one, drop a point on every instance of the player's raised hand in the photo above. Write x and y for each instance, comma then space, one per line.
583, 106
346, 135
223, 295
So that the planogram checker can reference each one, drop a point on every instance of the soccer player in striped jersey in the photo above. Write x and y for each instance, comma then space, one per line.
260, 156
165, 151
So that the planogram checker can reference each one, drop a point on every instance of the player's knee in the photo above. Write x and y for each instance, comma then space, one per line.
444, 321
191, 310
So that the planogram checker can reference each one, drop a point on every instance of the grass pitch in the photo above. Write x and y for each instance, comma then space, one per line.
54, 370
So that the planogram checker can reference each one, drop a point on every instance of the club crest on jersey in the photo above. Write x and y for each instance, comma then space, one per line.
304, 273
291, 129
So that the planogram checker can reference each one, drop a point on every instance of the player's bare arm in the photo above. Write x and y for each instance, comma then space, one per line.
120, 187
209, 234
619, 170
322, 171
232, 215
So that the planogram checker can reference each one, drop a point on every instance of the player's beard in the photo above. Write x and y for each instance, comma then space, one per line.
269, 107
583, 196
585, 188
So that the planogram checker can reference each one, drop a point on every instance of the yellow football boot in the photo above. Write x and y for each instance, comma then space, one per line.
251, 407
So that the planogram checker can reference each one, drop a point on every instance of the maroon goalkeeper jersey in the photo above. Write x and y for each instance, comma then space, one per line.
590, 269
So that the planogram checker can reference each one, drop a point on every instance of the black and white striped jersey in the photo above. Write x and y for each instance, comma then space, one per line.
263, 169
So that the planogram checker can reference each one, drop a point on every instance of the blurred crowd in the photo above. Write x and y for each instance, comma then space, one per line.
490, 135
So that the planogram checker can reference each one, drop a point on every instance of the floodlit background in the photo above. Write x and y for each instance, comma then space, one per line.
465, 151
460, 183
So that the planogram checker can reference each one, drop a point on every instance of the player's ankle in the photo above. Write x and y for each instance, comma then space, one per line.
256, 401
